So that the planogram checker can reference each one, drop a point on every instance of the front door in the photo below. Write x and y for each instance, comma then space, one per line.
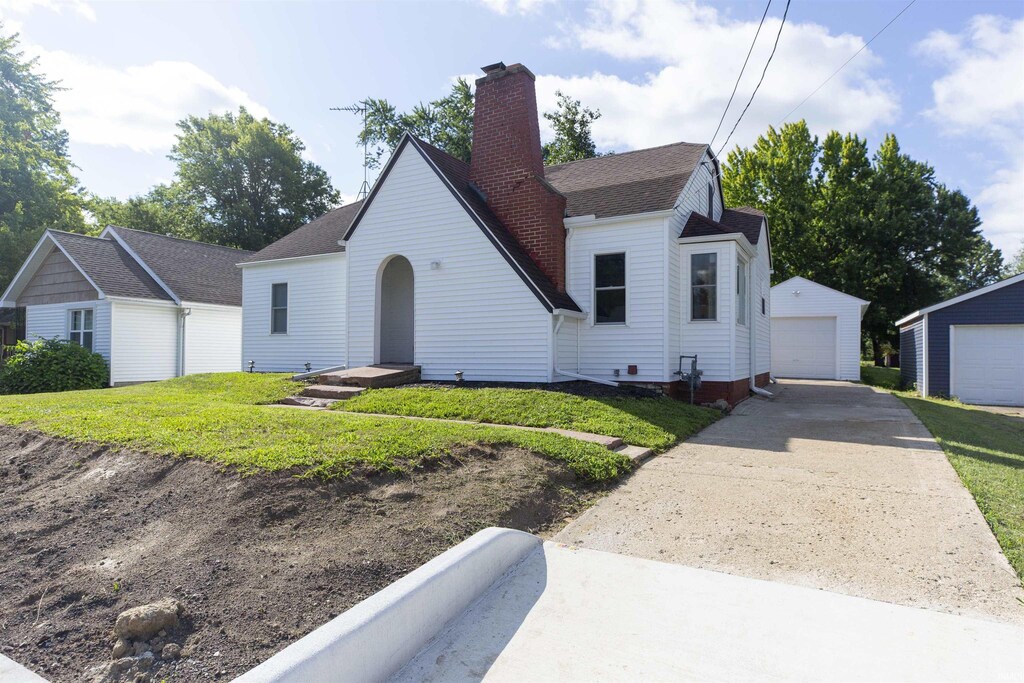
395, 326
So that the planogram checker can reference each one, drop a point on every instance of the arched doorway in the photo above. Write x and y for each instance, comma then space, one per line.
395, 312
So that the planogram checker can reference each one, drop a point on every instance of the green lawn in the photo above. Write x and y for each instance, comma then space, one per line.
221, 418
886, 378
987, 451
655, 423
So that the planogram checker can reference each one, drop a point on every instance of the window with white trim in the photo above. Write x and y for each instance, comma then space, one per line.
610, 289
741, 293
80, 327
279, 308
704, 287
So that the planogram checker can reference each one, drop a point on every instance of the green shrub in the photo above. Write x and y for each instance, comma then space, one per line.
52, 365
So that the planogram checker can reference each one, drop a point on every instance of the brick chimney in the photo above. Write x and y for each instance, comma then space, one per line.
508, 166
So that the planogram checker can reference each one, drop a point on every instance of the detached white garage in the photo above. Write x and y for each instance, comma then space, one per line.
815, 331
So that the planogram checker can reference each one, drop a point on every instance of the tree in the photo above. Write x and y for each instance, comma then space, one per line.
1016, 264
161, 210
571, 123
881, 228
447, 123
37, 188
247, 179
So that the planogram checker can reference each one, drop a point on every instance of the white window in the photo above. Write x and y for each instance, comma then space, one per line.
704, 287
279, 308
80, 328
741, 293
610, 289
711, 201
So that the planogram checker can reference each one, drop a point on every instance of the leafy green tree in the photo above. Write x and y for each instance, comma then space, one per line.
776, 175
447, 123
247, 179
161, 210
571, 122
37, 188
1016, 264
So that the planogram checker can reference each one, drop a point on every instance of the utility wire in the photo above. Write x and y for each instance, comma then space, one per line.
763, 72
738, 78
862, 48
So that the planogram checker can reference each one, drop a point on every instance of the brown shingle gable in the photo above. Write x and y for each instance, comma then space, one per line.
629, 183
109, 266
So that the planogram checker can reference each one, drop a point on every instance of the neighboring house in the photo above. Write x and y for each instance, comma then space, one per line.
504, 270
153, 306
970, 347
815, 331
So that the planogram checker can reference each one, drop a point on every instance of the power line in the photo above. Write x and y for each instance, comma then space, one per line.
862, 48
738, 78
763, 72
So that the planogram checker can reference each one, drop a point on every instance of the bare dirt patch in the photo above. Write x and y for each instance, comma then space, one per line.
257, 561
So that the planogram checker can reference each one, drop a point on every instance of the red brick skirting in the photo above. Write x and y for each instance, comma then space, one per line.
763, 379
709, 392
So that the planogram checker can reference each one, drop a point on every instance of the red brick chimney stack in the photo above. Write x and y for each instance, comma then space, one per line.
508, 166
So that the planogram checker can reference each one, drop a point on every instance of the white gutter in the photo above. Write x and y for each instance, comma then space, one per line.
246, 264
566, 373
593, 220
569, 314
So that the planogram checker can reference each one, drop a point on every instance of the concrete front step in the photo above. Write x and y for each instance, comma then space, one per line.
338, 393
636, 454
373, 376
307, 402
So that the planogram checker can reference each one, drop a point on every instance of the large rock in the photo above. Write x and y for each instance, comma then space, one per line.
139, 623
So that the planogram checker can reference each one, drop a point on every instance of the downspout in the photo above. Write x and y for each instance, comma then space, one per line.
183, 313
566, 373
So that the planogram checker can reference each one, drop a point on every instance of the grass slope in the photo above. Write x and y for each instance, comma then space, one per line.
886, 378
655, 423
987, 451
221, 418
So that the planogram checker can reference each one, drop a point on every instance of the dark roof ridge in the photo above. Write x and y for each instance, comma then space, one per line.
711, 222
76, 234
628, 152
180, 239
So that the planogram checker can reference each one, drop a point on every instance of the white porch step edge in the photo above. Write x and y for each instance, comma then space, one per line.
12, 672
377, 637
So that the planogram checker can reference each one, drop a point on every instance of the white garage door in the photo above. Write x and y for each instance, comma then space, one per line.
988, 364
804, 347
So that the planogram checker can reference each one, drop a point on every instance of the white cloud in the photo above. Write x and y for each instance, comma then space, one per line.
506, 7
982, 93
135, 106
981, 97
22, 7
698, 52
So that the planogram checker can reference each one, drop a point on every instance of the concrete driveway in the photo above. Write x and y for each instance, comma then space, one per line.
829, 485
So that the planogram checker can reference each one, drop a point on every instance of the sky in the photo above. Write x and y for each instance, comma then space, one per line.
947, 77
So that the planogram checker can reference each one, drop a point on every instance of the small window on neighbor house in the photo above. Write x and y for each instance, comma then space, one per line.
711, 201
80, 328
741, 293
704, 287
764, 307
609, 289
279, 308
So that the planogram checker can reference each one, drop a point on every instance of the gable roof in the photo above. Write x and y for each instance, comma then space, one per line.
744, 219
108, 266
455, 176
629, 183
320, 236
1012, 280
192, 271
797, 278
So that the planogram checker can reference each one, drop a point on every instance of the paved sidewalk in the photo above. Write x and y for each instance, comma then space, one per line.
830, 485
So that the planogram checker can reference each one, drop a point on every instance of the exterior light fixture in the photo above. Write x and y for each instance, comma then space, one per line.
458, 377
252, 364
309, 366
435, 265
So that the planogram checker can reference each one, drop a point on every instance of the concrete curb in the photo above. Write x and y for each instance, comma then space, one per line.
12, 672
380, 635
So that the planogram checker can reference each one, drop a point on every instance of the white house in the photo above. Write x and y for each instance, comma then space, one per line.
815, 331
505, 270
153, 306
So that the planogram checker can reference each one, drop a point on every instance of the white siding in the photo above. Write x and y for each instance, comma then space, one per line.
694, 196
473, 313
51, 320
213, 338
712, 341
143, 342
567, 345
816, 301
641, 341
761, 289
316, 314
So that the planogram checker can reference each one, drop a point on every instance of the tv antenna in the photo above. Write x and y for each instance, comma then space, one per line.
359, 108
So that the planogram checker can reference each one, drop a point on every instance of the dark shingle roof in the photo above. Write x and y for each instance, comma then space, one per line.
457, 173
628, 183
320, 236
108, 265
744, 219
194, 271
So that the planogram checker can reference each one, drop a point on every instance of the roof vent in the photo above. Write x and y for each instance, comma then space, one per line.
492, 68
